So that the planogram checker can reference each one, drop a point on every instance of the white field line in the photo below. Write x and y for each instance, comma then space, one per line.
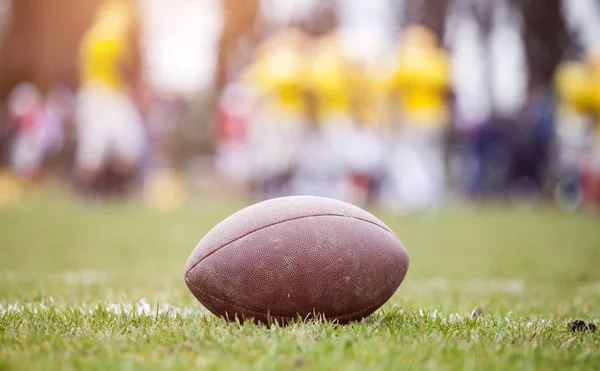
145, 308
457, 317
140, 308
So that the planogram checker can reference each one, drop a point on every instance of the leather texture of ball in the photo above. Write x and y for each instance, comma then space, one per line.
300, 256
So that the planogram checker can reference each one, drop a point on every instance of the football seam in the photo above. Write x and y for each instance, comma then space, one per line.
337, 316
281, 222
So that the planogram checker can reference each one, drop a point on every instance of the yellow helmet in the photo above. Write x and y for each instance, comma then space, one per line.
572, 83
279, 60
116, 14
419, 35
327, 62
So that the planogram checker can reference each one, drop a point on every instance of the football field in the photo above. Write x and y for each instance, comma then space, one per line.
101, 288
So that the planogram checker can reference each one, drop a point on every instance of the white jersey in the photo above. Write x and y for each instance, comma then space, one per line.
108, 124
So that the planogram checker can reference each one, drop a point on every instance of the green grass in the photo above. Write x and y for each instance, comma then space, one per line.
101, 287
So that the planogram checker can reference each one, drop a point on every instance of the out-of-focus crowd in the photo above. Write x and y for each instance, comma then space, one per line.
305, 118
400, 117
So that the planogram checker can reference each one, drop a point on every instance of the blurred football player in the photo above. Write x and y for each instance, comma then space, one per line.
231, 116
109, 125
372, 101
372, 110
274, 132
416, 175
39, 131
573, 88
327, 159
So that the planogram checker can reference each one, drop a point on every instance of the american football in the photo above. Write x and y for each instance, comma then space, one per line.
297, 256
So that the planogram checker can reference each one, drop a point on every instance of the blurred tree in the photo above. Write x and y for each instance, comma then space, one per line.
546, 39
240, 19
41, 42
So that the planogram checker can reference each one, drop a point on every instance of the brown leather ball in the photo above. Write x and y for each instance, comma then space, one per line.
297, 257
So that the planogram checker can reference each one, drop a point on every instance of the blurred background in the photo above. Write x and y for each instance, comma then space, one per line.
406, 105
